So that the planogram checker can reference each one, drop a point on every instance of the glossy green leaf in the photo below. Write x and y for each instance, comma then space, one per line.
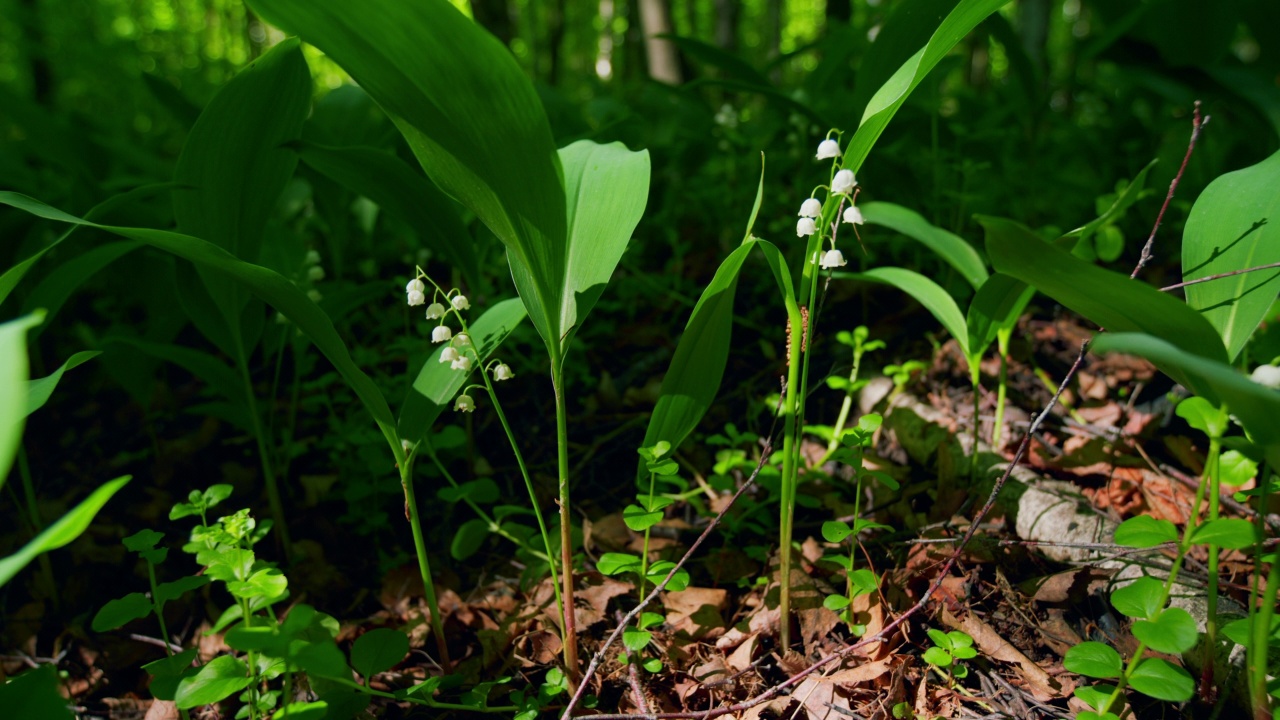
937, 656
176, 589
1093, 659
1173, 631
1095, 696
615, 563
1110, 299
482, 491
835, 531
996, 307
33, 695
303, 711
1145, 531
122, 611
893, 93
468, 539
401, 192
1162, 680
1241, 631
1203, 416
67, 528
636, 640
955, 250
40, 390
606, 189
1131, 194
1233, 226
639, 519
469, 113
835, 603
219, 679
268, 285
378, 650
234, 165
1230, 533
167, 672
1235, 468
927, 292
437, 383
14, 395
1143, 598
1254, 405
322, 658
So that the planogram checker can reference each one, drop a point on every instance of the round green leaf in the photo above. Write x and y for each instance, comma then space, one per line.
1094, 660
937, 656
120, 611
1145, 531
639, 519
1162, 680
469, 538
1172, 631
614, 563
221, 678
378, 650
1095, 696
1141, 598
636, 640
835, 531
1233, 533
1203, 416
835, 603
323, 659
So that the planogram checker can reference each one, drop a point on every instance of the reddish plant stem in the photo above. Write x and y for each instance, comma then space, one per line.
1197, 124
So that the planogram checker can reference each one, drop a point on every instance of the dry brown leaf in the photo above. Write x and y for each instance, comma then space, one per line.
860, 674
608, 534
712, 672
868, 610
540, 647
162, 710
775, 708
1041, 685
741, 658
595, 591
1063, 586
820, 700
696, 611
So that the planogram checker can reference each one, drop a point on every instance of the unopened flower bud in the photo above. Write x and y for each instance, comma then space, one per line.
435, 311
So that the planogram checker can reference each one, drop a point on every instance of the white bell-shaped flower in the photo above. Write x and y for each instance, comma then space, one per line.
415, 285
853, 215
810, 208
448, 354
315, 273
462, 340
1268, 375
313, 257
435, 311
464, 403
503, 372
460, 302
806, 226
833, 258
828, 149
462, 362
843, 182
408, 446
417, 298
441, 333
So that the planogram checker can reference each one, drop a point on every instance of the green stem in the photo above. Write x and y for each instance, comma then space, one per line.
1258, 643
37, 527
644, 556
164, 631
566, 523
1001, 393
790, 444
424, 565
1212, 477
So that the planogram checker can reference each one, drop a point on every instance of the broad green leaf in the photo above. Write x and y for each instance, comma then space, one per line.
893, 93
1162, 680
1256, 406
835, 531
1235, 224
167, 672
468, 539
955, 250
1143, 598
67, 528
267, 284
1230, 533
221, 678
1145, 531
1241, 631
122, 611
1095, 696
606, 188
937, 656
1132, 193
304, 711
927, 292
835, 603
469, 113
636, 640
215, 373
14, 395
1110, 299
1093, 659
650, 619
378, 650
322, 658
1173, 631
53, 291
1203, 416
176, 589
234, 165
40, 390
437, 383
614, 563
639, 519
996, 307
34, 695
401, 192
1236, 468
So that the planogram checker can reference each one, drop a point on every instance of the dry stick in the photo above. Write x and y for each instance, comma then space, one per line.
888, 629
1197, 124
633, 678
1219, 276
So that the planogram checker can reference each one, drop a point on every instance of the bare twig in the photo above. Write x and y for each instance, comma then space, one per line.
1197, 124
1219, 276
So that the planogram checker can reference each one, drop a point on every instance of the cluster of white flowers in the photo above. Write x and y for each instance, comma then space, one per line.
842, 183
315, 273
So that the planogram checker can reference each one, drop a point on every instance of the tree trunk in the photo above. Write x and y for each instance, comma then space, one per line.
726, 35
664, 63
494, 16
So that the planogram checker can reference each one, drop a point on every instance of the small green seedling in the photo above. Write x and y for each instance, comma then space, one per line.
948, 649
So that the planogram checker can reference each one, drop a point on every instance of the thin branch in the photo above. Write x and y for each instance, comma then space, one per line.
1197, 124
1219, 276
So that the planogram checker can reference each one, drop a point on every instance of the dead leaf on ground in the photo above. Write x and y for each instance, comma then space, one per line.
741, 658
820, 699
1066, 586
540, 647
696, 611
861, 674
162, 710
